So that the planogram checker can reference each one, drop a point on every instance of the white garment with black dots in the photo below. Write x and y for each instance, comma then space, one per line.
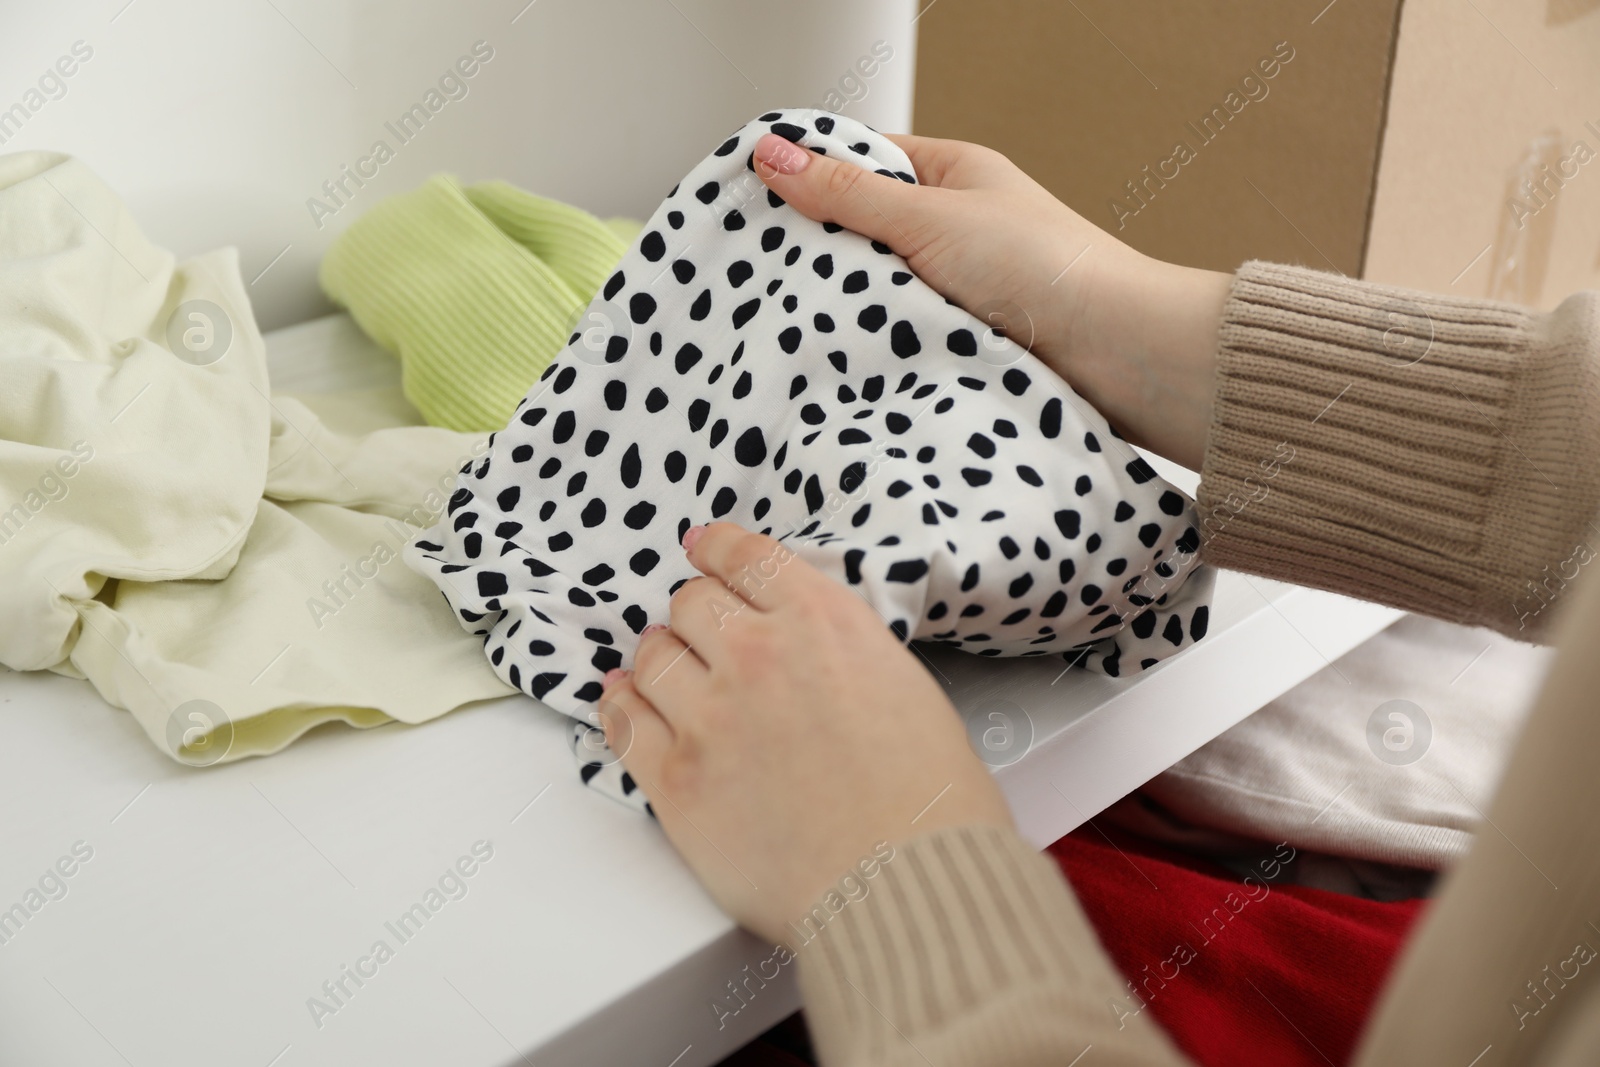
747, 364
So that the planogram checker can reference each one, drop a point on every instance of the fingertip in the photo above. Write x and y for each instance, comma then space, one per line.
613, 710
715, 534
634, 731
775, 155
615, 689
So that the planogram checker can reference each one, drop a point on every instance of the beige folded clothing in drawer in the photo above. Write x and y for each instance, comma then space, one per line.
1388, 754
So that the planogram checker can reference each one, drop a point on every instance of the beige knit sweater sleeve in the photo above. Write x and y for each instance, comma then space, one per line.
1429, 452
1443, 449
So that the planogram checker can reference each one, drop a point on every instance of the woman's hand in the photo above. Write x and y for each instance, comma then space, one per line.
781, 731
1135, 336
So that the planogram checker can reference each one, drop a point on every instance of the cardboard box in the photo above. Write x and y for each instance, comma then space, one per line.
1451, 145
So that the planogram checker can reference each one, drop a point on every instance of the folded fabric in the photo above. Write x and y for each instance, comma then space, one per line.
213, 558
475, 290
1389, 755
747, 364
1235, 969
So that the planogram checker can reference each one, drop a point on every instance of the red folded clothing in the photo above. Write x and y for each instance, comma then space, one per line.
1235, 971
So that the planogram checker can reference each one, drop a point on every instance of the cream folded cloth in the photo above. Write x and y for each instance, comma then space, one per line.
220, 561
1389, 755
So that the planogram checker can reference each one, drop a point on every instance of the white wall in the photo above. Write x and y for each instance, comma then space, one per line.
217, 120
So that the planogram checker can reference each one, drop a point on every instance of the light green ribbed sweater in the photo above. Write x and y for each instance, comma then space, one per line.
475, 290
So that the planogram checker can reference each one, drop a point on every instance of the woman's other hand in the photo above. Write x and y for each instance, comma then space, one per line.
781, 731
1134, 336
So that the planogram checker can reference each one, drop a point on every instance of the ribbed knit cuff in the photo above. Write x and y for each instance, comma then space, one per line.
1429, 452
968, 948
580, 248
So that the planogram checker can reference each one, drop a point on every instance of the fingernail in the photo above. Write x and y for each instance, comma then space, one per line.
781, 155
652, 628
692, 534
614, 675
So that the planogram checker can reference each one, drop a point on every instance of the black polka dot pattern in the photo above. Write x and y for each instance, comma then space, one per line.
805, 385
